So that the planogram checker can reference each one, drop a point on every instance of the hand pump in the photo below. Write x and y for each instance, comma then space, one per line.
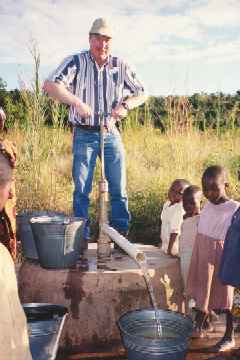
104, 242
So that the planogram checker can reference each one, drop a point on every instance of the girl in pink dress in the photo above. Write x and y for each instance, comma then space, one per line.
203, 283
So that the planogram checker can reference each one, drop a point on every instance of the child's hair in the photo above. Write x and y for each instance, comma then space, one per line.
190, 190
182, 182
5, 170
214, 171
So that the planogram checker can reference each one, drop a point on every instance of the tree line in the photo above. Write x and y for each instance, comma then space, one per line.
200, 110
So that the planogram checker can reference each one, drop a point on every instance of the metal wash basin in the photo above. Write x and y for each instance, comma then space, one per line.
45, 323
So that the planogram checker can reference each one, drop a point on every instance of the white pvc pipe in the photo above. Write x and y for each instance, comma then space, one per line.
121, 241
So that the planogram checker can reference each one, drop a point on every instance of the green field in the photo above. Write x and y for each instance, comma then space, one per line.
154, 160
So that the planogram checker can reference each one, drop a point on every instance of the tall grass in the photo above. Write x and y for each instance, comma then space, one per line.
154, 160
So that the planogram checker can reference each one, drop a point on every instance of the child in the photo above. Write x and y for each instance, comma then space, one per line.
172, 217
192, 196
8, 233
191, 204
14, 342
203, 283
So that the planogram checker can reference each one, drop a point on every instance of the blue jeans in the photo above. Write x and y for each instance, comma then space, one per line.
86, 149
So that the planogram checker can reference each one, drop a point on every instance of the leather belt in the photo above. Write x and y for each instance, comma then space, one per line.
88, 127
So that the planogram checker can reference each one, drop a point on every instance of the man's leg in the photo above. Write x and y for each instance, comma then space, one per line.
116, 176
85, 151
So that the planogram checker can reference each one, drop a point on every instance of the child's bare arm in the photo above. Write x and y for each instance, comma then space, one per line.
172, 240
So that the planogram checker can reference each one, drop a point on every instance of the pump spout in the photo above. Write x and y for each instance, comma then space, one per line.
121, 241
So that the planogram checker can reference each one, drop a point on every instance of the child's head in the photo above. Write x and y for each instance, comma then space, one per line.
176, 190
192, 196
214, 184
5, 180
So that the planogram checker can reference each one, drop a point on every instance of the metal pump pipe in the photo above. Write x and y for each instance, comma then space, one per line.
104, 243
131, 249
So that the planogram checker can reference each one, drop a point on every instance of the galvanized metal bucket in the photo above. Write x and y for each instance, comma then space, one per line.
58, 240
45, 323
25, 231
139, 334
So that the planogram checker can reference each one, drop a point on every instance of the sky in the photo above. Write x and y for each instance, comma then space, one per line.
176, 46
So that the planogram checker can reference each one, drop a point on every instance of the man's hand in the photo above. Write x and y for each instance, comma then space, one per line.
111, 124
119, 112
83, 110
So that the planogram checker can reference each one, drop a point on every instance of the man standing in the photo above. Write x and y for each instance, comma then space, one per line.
93, 83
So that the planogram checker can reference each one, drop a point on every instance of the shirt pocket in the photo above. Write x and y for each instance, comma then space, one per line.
115, 87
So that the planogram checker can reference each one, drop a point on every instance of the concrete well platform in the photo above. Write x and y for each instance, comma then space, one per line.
97, 296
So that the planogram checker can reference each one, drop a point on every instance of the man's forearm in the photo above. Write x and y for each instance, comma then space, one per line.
135, 101
60, 93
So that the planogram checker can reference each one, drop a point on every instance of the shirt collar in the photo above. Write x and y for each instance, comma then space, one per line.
93, 60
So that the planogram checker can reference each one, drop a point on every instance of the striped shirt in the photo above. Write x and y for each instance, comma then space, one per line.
101, 88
